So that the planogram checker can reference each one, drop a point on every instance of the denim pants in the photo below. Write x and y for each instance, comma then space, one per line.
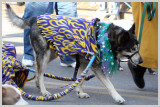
114, 8
33, 9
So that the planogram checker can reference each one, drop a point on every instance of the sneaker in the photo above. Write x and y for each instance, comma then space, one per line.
26, 62
73, 65
151, 71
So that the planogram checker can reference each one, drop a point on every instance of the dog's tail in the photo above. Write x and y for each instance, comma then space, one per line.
16, 20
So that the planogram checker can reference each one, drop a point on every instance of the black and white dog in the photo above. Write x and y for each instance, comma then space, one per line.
123, 44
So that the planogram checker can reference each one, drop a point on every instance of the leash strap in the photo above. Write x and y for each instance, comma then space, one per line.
151, 14
59, 77
60, 94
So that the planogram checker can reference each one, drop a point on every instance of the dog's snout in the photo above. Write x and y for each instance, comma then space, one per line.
140, 61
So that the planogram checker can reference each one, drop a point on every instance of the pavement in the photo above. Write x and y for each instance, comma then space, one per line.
122, 80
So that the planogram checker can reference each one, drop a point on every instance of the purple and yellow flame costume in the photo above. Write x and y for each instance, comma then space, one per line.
67, 35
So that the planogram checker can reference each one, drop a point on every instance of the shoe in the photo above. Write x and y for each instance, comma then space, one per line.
137, 74
151, 71
28, 63
73, 65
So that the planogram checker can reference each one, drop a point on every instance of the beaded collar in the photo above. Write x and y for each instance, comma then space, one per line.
109, 64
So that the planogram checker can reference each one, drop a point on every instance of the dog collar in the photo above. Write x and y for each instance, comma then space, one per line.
109, 64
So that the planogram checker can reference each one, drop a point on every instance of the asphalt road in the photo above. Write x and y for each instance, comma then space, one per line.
122, 80
98, 94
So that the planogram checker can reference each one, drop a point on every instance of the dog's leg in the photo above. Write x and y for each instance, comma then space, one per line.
52, 57
37, 79
119, 66
109, 86
41, 67
79, 89
37, 70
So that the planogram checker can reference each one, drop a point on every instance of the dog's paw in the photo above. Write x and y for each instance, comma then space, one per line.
46, 93
83, 95
119, 99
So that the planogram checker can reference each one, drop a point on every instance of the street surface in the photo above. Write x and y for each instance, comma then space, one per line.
122, 80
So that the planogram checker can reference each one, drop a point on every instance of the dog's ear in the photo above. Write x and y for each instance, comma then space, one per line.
8, 82
3, 91
132, 29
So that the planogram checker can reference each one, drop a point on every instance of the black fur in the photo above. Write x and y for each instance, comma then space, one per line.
121, 39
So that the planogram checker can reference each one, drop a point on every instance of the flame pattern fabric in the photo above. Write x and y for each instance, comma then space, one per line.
12, 69
68, 36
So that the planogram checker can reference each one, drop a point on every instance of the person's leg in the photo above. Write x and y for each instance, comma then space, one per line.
28, 56
103, 6
68, 61
67, 9
32, 9
114, 8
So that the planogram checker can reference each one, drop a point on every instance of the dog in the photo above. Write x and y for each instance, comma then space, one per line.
123, 44
11, 95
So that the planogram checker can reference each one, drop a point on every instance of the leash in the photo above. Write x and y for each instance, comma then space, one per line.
59, 77
60, 94
151, 14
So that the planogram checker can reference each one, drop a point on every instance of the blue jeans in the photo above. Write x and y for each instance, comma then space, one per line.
33, 9
114, 6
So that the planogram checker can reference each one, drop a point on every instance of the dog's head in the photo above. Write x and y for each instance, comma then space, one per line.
11, 95
124, 43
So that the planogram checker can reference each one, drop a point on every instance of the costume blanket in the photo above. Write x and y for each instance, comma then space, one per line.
69, 36
12, 69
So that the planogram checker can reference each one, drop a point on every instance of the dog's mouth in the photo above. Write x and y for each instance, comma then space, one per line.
135, 58
135, 63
